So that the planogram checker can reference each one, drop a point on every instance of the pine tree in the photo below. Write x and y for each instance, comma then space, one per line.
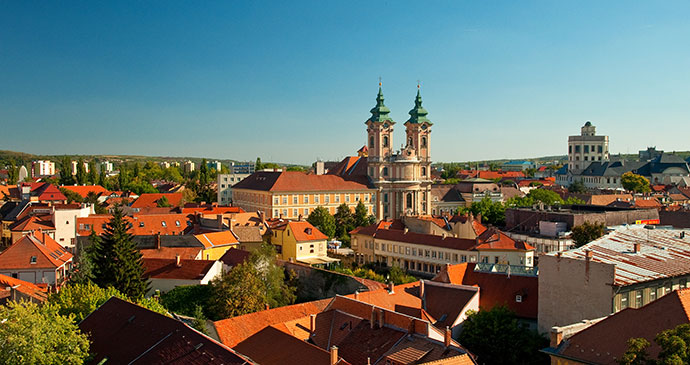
85, 255
66, 177
117, 262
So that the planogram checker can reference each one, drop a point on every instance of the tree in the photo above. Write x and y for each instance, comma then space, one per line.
530, 172
203, 173
122, 178
635, 183
101, 177
30, 334
674, 343
117, 261
12, 173
163, 202
577, 187
93, 175
81, 172
323, 221
492, 212
199, 321
344, 221
184, 300
398, 276
79, 300
71, 195
83, 272
496, 337
361, 216
587, 232
258, 166
66, 177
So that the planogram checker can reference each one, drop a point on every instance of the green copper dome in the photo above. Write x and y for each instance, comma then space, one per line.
418, 113
380, 112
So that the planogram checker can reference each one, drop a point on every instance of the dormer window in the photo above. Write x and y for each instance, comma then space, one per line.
33, 260
518, 298
141, 224
164, 224
177, 223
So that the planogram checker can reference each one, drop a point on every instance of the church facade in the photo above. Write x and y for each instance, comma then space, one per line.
402, 177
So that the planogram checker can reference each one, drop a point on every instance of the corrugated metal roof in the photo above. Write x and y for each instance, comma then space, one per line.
663, 253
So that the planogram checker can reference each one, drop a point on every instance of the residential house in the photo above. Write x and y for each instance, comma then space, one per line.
217, 243
121, 332
38, 259
13, 289
154, 200
166, 274
629, 267
301, 242
605, 340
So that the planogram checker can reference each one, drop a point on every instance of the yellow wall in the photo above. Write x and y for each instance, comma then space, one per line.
291, 248
215, 253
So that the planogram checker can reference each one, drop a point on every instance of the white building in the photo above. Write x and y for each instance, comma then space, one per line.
65, 222
74, 167
107, 167
586, 148
165, 164
225, 183
189, 166
42, 168
214, 165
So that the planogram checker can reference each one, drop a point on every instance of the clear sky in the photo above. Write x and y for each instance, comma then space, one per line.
294, 81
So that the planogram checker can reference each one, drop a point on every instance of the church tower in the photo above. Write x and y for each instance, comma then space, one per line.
418, 128
379, 138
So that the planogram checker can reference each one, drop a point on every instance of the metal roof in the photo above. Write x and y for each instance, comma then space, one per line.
663, 253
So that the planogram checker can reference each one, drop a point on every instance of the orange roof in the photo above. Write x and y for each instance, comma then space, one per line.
4, 190
210, 209
404, 295
647, 203
606, 199
49, 192
33, 223
499, 174
24, 287
84, 190
151, 200
293, 181
216, 239
47, 252
304, 231
185, 253
606, 341
142, 224
494, 239
234, 330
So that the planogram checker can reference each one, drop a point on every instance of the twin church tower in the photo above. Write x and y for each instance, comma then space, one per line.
402, 177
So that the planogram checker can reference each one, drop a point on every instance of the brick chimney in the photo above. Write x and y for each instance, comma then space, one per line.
356, 294
391, 288
312, 323
334, 355
421, 289
178, 262
637, 247
555, 336
447, 337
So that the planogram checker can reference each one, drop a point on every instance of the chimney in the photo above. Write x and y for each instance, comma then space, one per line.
556, 337
637, 247
158, 241
178, 262
421, 289
372, 320
334, 355
391, 288
312, 323
280, 216
268, 306
356, 294
588, 255
299, 218
44, 236
219, 221
381, 318
447, 337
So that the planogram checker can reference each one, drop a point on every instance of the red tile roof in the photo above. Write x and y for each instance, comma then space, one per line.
84, 190
304, 231
185, 253
25, 287
123, 333
191, 208
606, 341
234, 330
647, 203
142, 224
151, 200
48, 253
272, 346
33, 223
167, 269
49, 192
234, 257
496, 288
295, 181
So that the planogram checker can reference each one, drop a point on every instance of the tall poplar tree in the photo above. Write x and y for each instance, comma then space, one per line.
81, 172
117, 261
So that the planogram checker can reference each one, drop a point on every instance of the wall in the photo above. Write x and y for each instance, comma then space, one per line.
527, 220
65, 221
571, 290
315, 283
33, 276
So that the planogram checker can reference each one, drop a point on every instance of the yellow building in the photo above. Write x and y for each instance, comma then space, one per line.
301, 242
291, 194
216, 243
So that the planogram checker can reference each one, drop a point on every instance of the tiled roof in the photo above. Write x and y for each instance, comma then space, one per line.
304, 231
25, 287
185, 253
151, 200
272, 346
190, 208
142, 224
493, 239
418, 350
404, 297
232, 331
167, 269
217, 239
445, 302
496, 288
248, 234
48, 253
33, 223
647, 203
234, 256
606, 341
84, 190
351, 166
49, 192
663, 253
123, 333
295, 181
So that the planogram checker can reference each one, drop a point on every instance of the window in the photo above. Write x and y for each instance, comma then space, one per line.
638, 298
294, 199
414, 252
652, 294
624, 301
586, 149
455, 257
433, 254
383, 247
164, 224
600, 148
427, 253
407, 250
485, 259
288, 232
347, 198
33, 259
316, 198
385, 197
285, 212
385, 171
423, 142
421, 252
285, 200
518, 298
327, 198
385, 141
177, 223
410, 142
337, 198
577, 149
141, 224
276, 201
371, 141
294, 212
306, 211
275, 213
495, 259
570, 149
423, 171
306, 199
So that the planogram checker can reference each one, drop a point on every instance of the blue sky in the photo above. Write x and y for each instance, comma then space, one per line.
294, 81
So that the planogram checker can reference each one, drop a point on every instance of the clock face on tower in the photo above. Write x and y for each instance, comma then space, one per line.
385, 125
423, 126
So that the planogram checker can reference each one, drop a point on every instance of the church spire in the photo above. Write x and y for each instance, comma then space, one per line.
418, 113
380, 112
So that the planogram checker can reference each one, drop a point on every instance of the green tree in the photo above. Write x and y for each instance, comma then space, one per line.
83, 272
163, 202
93, 175
635, 183
32, 334
492, 212
530, 172
587, 232
81, 172
101, 177
497, 337
71, 196
258, 166
184, 300
577, 187
398, 276
361, 217
344, 221
674, 343
117, 261
66, 177
122, 178
12, 173
203, 173
199, 321
323, 221
79, 300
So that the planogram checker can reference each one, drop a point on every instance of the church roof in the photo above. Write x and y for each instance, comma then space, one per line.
380, 112
418, 113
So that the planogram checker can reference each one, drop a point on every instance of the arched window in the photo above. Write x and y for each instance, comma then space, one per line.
385, 141
409, 143
385, 171
423, 141
371, 142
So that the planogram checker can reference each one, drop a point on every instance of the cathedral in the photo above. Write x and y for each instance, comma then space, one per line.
403, 177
